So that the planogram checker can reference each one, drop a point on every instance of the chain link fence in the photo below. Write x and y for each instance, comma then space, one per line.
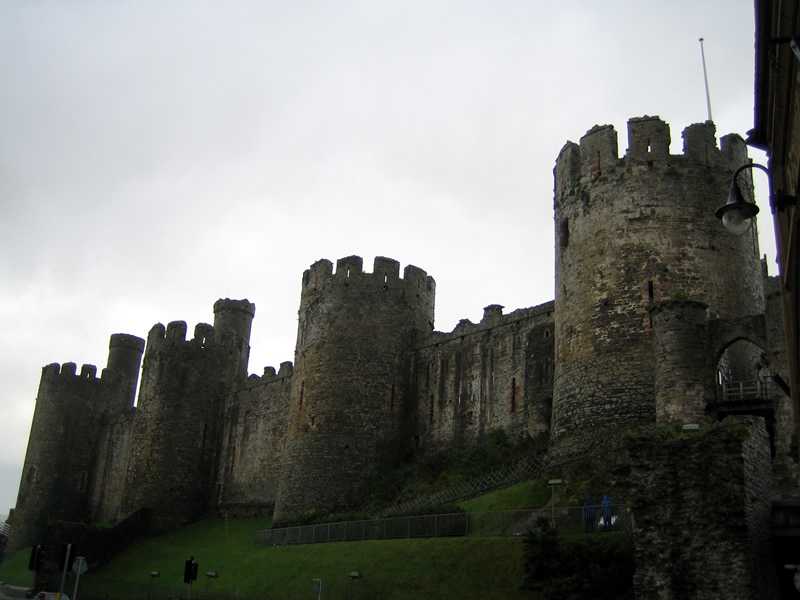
509, 523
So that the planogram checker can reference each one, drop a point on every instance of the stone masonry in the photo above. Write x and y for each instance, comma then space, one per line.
651, 298
632, 232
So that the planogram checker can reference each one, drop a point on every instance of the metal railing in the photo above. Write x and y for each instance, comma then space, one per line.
744, 391
509, 523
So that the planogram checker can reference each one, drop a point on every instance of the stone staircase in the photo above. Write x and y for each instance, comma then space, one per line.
526, 468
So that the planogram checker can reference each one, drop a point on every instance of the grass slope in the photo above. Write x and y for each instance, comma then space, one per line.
464, 568
398, 569
14, 568
527, 494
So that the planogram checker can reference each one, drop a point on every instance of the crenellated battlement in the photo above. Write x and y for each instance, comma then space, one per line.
649, 138
69, 371
493, 318
385, 275
203, 334
175, 334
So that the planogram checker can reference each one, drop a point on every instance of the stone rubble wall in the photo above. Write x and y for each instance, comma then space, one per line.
701, 508
493, 375
629, 233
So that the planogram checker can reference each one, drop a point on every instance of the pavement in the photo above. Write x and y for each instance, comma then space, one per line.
12, 592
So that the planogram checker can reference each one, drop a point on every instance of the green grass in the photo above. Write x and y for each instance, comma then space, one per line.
14, 568
527, 494
472, 567
464, 568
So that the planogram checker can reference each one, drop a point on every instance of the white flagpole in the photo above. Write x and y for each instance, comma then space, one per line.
705, 78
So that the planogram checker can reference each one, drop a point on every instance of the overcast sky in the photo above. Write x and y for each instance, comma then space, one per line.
156, 156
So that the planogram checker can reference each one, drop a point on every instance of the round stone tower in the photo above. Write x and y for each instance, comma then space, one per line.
348, 409
630, 233
232, 322
124, 362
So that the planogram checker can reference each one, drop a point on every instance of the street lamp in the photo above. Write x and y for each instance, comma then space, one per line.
737, 214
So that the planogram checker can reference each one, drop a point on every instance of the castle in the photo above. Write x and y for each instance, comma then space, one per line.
659, 316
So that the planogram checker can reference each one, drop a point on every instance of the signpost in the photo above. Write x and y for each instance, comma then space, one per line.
79, 567
65, 566
317, 587
153, 575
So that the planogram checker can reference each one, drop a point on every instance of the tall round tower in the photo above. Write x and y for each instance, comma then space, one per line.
349, 389
232, 322
124, 361
630, 233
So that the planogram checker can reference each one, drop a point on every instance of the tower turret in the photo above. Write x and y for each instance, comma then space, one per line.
232, 322
124, 361
61, 449
177, 426
630, 233
350, 384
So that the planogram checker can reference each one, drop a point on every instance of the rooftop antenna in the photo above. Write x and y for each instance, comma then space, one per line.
705, 78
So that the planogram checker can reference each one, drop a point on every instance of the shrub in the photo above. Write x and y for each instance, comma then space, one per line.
596, 567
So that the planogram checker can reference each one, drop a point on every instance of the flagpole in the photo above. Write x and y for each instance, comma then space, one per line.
705, 79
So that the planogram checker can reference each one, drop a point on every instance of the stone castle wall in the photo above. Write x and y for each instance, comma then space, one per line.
111, 462
178, 425
110, 468
702, 512
253, 438
493, 375
629, 233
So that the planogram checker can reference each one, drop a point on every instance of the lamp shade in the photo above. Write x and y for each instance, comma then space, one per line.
737, 213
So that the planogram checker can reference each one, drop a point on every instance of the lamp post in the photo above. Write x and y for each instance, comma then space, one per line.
737, 214
153, 575
354, 576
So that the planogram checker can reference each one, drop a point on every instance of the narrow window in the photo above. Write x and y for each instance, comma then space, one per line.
649, 147
442, 382
430, 411
650, 292
385, 280
302, 391
391, 400
563, 238
347, 274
